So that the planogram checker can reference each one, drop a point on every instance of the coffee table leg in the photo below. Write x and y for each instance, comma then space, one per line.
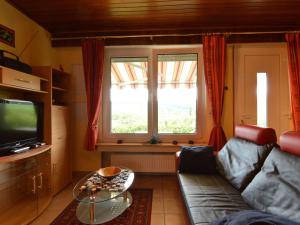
92, 209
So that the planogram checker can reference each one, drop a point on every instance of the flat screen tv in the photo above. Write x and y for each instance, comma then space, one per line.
20, 124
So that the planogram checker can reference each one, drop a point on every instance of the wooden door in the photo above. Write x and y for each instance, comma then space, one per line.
252, 61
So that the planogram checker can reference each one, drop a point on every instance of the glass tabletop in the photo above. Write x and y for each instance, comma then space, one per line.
96, 188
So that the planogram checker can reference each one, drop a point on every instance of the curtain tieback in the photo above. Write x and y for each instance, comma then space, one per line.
217, 126
93, 126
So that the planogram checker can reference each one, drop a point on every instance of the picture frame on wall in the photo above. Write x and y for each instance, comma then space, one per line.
7, 35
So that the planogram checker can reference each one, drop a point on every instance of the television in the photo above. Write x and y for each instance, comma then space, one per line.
21, 124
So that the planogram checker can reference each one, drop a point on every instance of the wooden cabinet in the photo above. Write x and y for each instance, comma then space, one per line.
61, 166
57, 111
16, 79
28, 180
25, 187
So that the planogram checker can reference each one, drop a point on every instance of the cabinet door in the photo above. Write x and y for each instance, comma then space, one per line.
59, 122
18, 192
43, 181
60, 165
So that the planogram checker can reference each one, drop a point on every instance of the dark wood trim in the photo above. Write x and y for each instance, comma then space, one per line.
195, 39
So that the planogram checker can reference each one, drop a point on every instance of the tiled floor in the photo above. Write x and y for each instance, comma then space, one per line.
167, 204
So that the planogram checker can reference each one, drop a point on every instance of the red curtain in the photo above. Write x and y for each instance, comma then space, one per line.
214, 53
93, 61
293, 47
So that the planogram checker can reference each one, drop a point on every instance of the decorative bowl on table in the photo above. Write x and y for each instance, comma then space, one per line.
109, 172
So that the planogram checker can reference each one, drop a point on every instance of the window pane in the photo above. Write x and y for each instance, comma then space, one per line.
177, 93
129, 95
261, 90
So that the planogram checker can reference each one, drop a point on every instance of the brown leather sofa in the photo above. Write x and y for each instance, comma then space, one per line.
242, 182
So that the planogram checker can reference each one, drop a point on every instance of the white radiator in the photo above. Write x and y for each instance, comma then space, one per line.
153, 163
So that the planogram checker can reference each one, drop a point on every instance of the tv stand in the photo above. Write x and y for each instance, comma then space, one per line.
26, 185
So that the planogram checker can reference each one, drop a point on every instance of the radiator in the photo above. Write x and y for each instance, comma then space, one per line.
152, 163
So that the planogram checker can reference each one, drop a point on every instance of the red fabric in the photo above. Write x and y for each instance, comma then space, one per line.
177, 160
93, 61
258, 135
290, 142
214, 53
293, 46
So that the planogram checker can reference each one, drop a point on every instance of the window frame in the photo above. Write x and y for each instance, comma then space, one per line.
151, 52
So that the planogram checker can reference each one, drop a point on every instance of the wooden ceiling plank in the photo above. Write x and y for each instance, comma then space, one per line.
67, 18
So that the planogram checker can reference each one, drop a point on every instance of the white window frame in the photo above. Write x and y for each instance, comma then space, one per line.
151, 53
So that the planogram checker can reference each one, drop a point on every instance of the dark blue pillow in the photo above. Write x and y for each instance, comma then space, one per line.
197, 159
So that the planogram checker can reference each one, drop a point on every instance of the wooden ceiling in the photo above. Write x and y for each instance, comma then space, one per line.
81, 18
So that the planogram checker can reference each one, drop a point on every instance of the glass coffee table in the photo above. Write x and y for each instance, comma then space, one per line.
101, 199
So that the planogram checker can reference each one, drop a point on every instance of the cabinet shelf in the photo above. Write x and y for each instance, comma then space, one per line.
21, 88
55, 88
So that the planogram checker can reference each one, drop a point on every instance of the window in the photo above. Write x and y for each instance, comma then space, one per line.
153, 92
177, 93
261, 95
129, 95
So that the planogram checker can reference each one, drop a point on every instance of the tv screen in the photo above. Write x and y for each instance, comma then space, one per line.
19, 122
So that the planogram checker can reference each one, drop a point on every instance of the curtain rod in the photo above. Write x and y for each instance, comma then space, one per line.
175, 35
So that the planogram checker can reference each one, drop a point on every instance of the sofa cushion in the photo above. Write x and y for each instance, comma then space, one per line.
240, 160
209, 197
197, 159
253, 217
276, 188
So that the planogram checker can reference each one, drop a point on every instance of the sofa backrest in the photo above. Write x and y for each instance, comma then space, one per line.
276, 188
290, 142
257, 135
243, 155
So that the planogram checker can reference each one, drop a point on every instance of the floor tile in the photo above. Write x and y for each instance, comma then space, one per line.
174, 206
158, 219
157, 205
171, 194
175, 219
158, 193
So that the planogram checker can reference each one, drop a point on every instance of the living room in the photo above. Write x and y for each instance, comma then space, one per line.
129, 87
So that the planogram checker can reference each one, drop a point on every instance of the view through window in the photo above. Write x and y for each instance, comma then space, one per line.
153, 92
177, 93
129, 95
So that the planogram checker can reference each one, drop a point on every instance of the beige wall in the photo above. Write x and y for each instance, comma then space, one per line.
70, 58
32, 41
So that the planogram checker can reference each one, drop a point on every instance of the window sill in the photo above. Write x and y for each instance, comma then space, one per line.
142, 147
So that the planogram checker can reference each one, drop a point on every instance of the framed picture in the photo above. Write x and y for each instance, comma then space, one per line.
7, 36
